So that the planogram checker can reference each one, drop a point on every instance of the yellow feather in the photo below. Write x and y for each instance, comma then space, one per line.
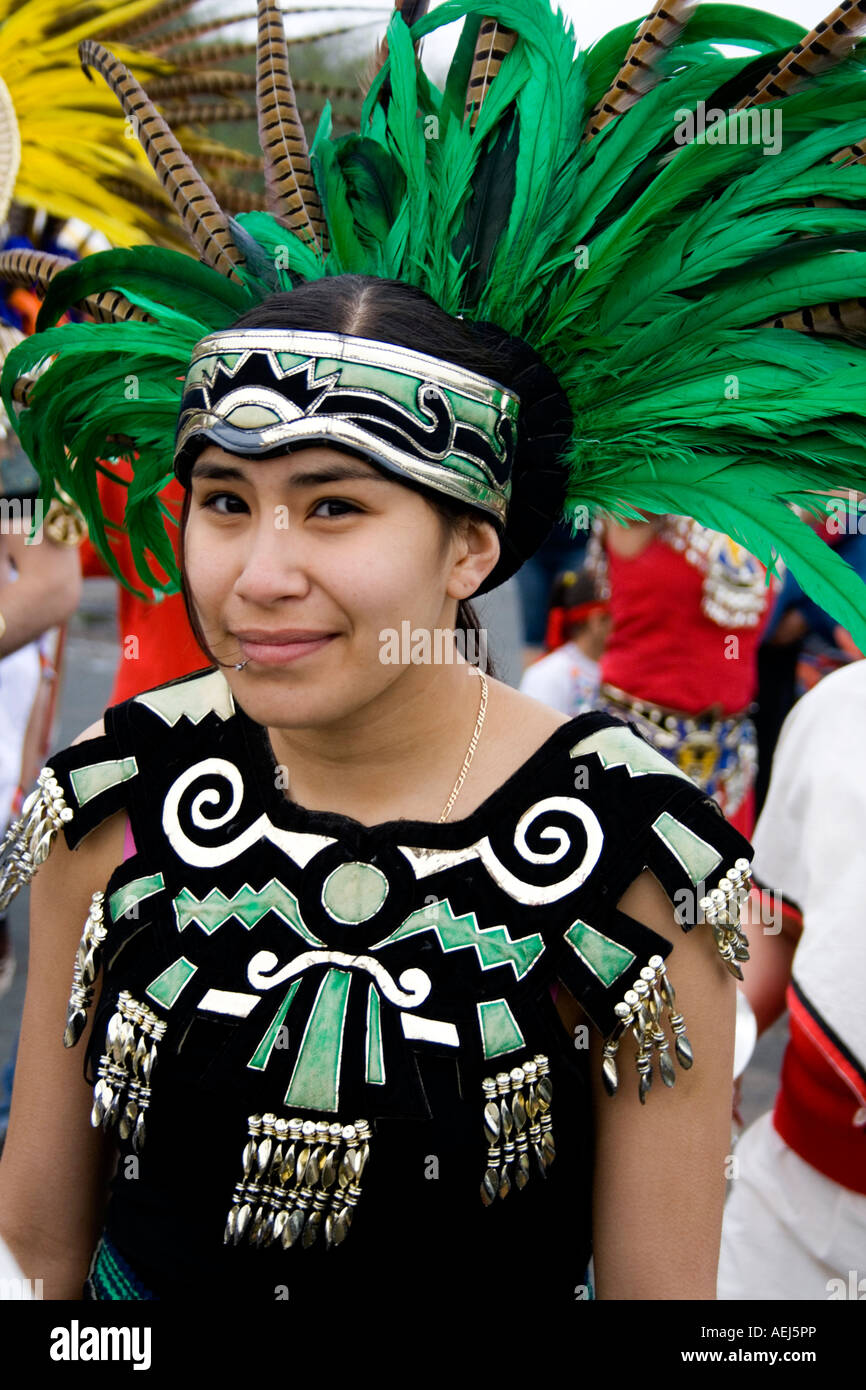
73, 137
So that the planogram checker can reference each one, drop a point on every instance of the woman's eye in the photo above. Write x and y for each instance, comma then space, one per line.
339, 506
224, 503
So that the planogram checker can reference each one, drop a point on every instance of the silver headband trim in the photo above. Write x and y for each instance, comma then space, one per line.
365, 351
459, 461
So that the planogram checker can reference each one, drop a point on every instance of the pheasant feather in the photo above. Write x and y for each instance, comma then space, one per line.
494, 43
37, 269
199, 211
831, 40
639, 71
291, 191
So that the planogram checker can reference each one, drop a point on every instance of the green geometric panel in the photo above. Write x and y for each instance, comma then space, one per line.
622, 748
605, 958
315, 1083
248, 904
209, 694
354, 892
205, 368
375, 1057
696, 856
88, 782
167, 986
499, 1030
493, 945
134, 892
261, 1056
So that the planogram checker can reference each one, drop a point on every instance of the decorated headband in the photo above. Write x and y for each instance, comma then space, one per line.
261, 392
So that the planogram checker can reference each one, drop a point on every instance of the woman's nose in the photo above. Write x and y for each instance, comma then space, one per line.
274, 565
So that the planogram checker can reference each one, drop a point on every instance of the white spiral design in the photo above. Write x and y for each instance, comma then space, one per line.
534, 894
210, 796
299, 846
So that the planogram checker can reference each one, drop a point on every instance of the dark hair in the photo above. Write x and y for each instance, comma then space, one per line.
393, 312
574, 587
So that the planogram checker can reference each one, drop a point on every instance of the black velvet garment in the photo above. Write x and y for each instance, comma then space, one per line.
287, 965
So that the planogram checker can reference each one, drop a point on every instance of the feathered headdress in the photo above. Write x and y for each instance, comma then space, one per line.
679, 234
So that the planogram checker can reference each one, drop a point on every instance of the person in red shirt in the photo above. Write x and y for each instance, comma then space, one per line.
688, 606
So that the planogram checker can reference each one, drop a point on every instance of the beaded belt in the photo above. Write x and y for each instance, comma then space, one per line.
111, 1277
719, 755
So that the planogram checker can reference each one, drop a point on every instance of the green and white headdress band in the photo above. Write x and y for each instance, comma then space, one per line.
263, 392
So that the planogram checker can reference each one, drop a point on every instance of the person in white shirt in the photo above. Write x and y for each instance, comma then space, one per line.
567, 679
795, 1221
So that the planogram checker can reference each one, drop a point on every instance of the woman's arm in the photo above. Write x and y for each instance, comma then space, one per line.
768, 973
630, 538
46, 592
660, 1176
55, 1168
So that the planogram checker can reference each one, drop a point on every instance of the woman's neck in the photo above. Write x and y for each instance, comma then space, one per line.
397, 757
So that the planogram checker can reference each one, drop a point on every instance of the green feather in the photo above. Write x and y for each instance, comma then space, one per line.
764, 526
348, 252
374, 185
289, 254
487, 209
188, 287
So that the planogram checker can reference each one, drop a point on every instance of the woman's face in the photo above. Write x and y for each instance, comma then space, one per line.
302, 564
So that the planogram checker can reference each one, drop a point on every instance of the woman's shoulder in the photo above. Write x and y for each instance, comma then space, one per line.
98, 775
528, 715
191, 697
95, 730
526, 727
613, 853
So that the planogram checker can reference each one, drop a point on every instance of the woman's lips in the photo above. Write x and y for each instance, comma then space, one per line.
277, 649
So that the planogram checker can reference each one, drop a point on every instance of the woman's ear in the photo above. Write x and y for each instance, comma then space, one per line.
477, 551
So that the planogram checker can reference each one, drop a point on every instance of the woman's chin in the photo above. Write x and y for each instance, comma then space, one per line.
274, 699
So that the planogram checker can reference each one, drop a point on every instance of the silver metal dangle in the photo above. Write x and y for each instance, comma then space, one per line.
722, 910
643, 1009
28, 840
122, 1092
517, 1126
299, 1178
88, 959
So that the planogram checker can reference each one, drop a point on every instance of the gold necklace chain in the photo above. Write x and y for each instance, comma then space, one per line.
470, 751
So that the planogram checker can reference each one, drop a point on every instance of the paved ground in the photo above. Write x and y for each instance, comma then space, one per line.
92, 651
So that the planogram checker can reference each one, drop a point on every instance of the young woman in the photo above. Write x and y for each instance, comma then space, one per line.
384, 945
394, 901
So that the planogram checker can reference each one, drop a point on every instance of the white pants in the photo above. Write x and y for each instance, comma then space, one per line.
788, 1230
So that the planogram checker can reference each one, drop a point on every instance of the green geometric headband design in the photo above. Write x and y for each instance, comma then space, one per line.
261, 392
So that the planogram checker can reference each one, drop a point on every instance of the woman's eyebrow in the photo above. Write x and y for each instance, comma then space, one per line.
216, 470
335, 473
